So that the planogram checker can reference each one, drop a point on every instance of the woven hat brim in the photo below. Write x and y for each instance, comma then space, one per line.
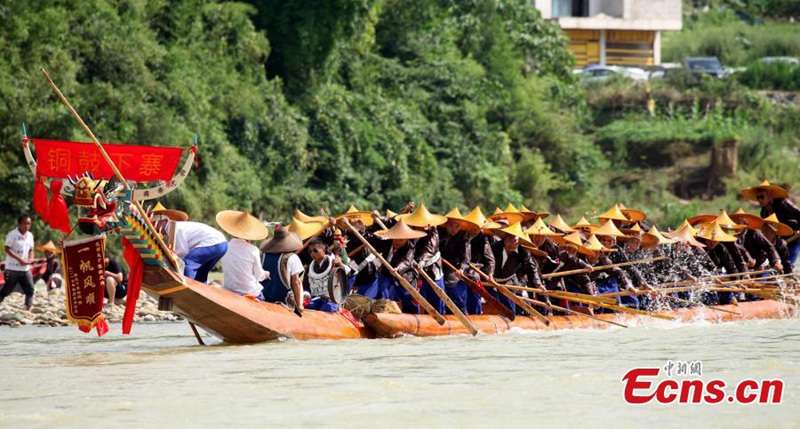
749, 220
411, 220
172, 214
775, 192
242, 225
282, 242
365, 217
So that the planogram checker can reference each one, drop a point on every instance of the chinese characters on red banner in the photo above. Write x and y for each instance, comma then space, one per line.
137, 163
84, 269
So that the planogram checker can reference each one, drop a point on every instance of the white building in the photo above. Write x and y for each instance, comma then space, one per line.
614, 32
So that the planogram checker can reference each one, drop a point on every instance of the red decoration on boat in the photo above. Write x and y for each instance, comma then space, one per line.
84, 269
137, 163
136, 265
59, 217
40, 200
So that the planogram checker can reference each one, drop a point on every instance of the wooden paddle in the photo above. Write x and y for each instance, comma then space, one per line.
601, 267
686, 301
402, 281
577, 313
624, 309
449, 302
512, 296
565, 295
489, 298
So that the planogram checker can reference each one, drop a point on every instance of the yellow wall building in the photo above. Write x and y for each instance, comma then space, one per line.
614, 32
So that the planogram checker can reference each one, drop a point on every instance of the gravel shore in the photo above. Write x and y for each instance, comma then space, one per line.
50, 310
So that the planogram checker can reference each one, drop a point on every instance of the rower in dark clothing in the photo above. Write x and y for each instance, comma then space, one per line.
454, 245
774, 231
480, 255
514, 265
400, 255
713, 236
756, 244
774, 200
580, 283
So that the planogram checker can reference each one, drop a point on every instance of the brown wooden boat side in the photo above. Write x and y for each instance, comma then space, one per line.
393, 325
236, 319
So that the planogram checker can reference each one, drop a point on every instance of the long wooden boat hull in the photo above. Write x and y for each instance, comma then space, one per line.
236, 319
423, 325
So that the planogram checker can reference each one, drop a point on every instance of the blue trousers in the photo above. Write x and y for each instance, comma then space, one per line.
401, 295
378, 288
322, 304
474, 305
794, 249
503, 299
427, 292
201, 260
458, 294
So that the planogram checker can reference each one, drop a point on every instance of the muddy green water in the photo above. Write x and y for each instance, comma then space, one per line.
160, 377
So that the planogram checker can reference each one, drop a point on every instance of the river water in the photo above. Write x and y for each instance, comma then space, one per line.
160, 377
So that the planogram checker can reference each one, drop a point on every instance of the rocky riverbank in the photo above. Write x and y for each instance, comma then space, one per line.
50, 310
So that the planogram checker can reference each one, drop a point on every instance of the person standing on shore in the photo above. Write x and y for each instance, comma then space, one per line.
19, 256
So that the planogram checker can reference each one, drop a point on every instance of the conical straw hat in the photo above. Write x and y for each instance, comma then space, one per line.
583, 223
701, 219
749, 220
305, 230
654, 237
422, 218
532, 249
302, 217
390, 214
685, 234
540, 215
515, 230
526, 215
559, 224
49, 247
476, 216
455, 214
688, 226
774, 191
632, 214
510, 217
539, 228
283, 241
242, 225
400, 231
714, 232
574, 239
725, 222
780, 228
160, 210
593, 245
352, 214
613, 213
609, 229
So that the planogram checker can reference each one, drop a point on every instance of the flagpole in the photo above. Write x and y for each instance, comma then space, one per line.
113, 166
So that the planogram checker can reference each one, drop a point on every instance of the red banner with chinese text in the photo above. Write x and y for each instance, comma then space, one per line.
56, 158
84, 276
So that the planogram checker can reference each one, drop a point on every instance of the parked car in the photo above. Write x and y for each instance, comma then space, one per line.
786, 60
602, 73
705, 65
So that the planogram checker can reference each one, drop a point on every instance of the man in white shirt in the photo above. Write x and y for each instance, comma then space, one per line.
241, 265
199, 246
19, 256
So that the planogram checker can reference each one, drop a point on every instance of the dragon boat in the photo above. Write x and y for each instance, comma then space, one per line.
236, 319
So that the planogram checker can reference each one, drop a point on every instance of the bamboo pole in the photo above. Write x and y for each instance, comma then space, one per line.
113, 166
601, 267
624, 309
686, 301
512, 296
577, 313
564, 295
402, 281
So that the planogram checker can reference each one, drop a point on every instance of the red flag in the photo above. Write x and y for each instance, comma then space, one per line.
85, 269
136, 264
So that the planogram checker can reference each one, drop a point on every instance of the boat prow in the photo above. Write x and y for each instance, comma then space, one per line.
236, 319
